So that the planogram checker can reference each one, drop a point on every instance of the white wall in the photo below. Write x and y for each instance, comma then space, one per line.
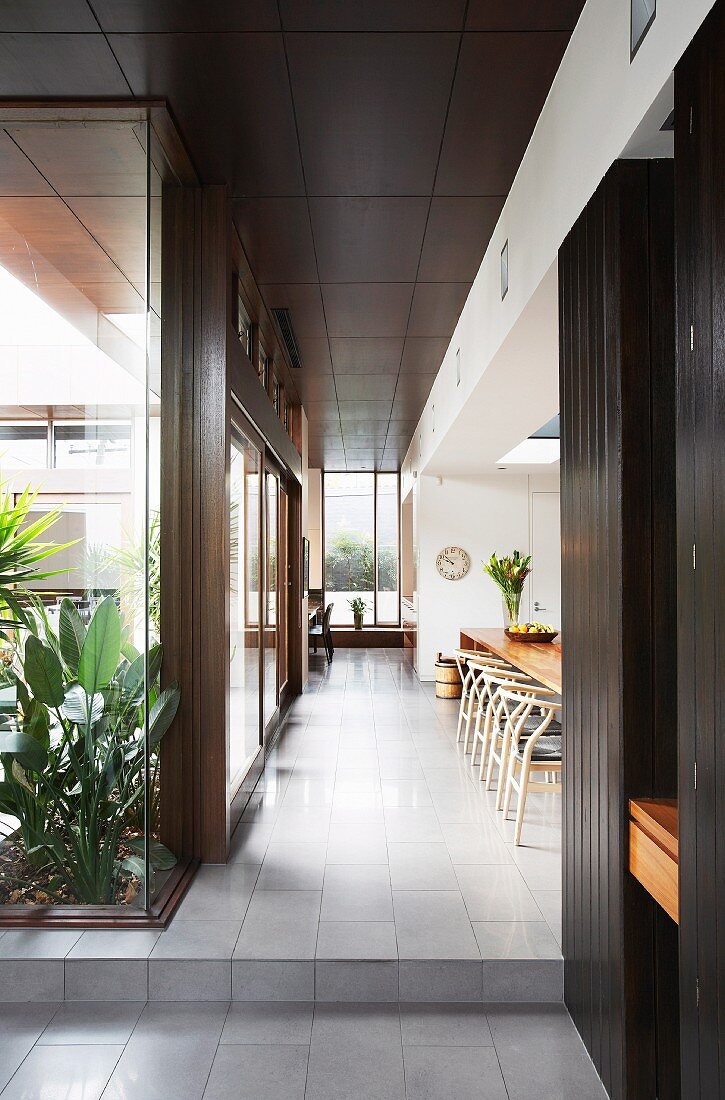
482, 515
596, 103
314, 526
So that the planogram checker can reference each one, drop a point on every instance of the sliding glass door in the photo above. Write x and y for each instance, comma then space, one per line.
244, 597
271, 480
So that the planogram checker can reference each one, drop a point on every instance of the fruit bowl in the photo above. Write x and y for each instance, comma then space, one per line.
534, 633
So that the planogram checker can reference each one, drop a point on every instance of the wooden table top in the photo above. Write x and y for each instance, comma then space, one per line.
541, 660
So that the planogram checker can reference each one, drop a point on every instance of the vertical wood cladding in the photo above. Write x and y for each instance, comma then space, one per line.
616, 286
700, 220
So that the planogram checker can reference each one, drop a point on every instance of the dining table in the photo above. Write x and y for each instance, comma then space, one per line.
540, 660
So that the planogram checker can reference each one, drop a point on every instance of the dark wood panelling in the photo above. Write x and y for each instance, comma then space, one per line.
373, 15
258, 154
59, 65
503, 78
616, 276
353, 236
186, 15
403, 79
523, 15
457, 236
367, 309
436, 308
277, 239
46, 15
700, 189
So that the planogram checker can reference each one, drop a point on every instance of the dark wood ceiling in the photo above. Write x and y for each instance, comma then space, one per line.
369, 146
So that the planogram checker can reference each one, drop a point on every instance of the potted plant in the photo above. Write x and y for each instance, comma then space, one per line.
359, 607
509, 574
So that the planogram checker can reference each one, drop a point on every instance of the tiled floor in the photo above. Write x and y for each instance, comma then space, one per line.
371, 865
297, 1051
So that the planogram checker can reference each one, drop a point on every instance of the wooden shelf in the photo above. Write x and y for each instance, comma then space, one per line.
654, 850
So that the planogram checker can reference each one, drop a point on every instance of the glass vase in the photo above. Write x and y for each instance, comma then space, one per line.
510, 606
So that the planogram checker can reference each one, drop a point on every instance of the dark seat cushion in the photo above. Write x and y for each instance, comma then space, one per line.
547, 748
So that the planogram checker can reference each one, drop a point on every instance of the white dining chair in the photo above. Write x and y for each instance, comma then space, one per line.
532, 752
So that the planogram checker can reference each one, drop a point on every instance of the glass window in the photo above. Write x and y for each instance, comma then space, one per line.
262, 366
349, 557
80, 309
276, 394
386, 551
23, 446
244, 326
271, 600
244, 658
78, 445
361, 546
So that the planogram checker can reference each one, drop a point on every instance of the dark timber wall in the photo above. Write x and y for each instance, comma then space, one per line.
700, 219
617, 351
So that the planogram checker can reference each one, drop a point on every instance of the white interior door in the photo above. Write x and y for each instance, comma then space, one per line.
545, 584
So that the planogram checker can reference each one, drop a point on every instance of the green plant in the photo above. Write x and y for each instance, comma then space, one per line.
21, 552
509, 574
133, 562
358, 605
74, 755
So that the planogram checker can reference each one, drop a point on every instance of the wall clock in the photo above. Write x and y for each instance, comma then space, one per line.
453, 563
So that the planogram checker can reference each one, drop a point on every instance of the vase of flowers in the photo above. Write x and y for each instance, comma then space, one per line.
509, 574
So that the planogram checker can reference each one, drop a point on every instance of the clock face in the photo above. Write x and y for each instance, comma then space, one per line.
453, 563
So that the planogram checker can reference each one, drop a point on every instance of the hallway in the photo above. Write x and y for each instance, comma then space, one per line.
385, 861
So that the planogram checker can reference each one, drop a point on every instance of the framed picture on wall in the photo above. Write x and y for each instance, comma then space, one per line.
305, 567
643, 14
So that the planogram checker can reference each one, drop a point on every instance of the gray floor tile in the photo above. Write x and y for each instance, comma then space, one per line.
197, 940
451, 1025
105, 1023
259, 1023
439, 1073
106, 979
273, 979
418, 824
496, 892
353, 844
421, 867
101, 943
356, 892
357, 940
249, 843
258, 1073
293, 866
549, 902
302, 824
541, 1054
433, 924
38, 943
280, 924
187, 979
479, 844
20, 1027
442, 980
346, 980
171, 1051
55, 1073
523, 980
405, 792
355, 1052
219, 893
32, 979
516, 940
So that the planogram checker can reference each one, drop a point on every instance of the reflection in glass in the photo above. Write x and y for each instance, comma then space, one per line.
244, 608
270, 620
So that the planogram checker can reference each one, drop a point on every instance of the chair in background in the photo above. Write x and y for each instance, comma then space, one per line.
468, 696
487, 680
322, 631
531, 751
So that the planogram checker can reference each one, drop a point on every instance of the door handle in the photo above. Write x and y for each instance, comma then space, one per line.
538, 607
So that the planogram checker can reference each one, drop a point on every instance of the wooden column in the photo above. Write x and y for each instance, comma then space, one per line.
618, 519
700, 212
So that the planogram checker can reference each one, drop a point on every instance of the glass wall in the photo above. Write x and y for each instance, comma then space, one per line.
244, 679
387, 542
361, 546
81, 710
271, 597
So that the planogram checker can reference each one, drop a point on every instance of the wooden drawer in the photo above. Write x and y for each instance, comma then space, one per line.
655, 867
